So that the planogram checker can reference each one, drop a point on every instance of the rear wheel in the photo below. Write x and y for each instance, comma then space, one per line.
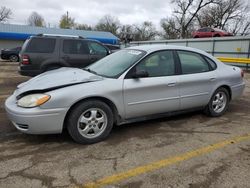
218, 104
14, 58
90, 122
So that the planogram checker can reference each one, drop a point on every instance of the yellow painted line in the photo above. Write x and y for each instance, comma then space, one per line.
234, 60
164, 163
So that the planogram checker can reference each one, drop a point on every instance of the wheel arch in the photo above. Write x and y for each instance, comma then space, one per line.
228, 89
103, 99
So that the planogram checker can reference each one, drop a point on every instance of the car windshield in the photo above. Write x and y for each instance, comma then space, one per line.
115, 64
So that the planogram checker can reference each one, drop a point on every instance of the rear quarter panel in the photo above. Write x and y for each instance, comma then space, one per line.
230, 76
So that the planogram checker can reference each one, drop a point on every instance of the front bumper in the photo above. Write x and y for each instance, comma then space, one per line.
35, 120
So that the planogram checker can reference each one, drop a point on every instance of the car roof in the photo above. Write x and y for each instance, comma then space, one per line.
63, 37
158, 47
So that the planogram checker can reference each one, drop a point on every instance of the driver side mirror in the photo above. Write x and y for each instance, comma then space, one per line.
109, 52
140, 74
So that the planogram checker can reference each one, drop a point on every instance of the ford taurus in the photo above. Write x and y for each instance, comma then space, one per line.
131, 84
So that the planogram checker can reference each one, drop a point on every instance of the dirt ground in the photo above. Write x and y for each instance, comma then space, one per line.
56, 161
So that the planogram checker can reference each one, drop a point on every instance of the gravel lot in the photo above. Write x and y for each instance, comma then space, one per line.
56, 161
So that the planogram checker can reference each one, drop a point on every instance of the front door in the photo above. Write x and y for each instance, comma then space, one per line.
156, 93
97, 51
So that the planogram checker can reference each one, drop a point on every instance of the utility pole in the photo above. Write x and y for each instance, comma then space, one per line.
67, 19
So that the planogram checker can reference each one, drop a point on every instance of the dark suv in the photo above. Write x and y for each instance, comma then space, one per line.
47, 52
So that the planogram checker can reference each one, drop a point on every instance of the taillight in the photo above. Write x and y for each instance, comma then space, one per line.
242, 73
25, 60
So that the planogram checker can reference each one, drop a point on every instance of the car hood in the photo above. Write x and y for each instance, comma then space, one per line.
57, 79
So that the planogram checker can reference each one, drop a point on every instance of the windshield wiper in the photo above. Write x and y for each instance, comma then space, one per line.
91, 71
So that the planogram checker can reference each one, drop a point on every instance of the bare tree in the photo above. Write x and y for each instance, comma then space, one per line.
240, 26
127, 33
145, 31
220, 13
229, 15
36, 19
83, 27
66, 21
170, 30
109, 24
186, 12
5, 14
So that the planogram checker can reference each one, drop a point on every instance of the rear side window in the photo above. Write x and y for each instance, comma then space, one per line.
211, 62
41, 45
192, 63
75, 47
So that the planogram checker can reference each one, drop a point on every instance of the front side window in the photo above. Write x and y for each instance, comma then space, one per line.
158, 64
192, 62
75, 47
41, 45
96, 48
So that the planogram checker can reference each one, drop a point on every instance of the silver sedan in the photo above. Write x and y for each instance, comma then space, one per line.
129, 85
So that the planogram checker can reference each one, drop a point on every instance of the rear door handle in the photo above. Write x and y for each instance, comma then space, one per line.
212, 79
172, 84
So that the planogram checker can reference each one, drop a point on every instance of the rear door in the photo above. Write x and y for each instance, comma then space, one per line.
157, 93
75, 52
196, 81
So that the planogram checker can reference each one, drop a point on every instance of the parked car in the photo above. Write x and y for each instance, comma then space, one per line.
132, 84
11, 54
210, 32
47, 52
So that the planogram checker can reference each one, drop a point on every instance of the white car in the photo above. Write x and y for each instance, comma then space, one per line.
131, 84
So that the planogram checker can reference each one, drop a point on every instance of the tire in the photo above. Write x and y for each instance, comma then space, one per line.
14, 58
196, 36
90, 122
218, 104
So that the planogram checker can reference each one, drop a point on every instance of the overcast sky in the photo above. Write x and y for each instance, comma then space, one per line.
89, 11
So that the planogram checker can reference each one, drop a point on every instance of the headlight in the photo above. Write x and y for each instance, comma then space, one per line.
33, 100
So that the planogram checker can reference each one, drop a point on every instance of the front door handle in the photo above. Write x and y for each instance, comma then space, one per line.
212, 79
65, 57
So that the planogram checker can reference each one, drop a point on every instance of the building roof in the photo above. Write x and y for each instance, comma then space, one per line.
22, 32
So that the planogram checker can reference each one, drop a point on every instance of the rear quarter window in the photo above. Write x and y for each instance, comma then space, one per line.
41, 45
211, 63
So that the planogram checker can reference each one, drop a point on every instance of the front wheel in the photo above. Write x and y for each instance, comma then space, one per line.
90, 122
218, 104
